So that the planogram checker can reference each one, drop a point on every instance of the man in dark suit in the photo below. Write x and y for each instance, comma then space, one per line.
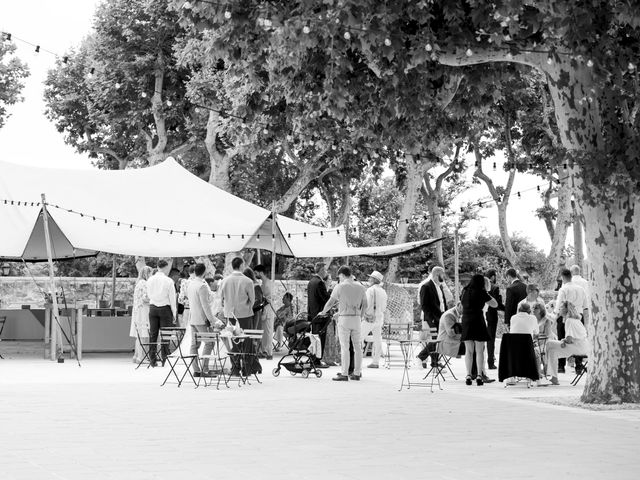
492, 318
317, 297
433, 303
516, 291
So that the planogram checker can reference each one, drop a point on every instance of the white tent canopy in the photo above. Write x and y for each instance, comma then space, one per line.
160, 211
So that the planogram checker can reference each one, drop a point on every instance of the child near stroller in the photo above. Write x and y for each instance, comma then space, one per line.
301, 356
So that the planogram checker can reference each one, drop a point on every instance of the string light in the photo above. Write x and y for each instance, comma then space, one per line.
347, 36
227, 14
469, 52
428, 47
37, 48
387, 42
306, 29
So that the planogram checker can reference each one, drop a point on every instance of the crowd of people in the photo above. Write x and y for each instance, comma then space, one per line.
557, 329
345, 315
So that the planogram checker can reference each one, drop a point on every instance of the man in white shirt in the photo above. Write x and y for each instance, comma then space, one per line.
374, 316
162, 308
574, 294
580, 280
524, 322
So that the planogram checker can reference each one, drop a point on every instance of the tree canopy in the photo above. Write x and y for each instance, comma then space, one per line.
12, 74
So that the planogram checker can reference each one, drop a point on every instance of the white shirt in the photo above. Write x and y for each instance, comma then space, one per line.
574, 294
582, 282
575, 329
162, 291
523, 322
376, 296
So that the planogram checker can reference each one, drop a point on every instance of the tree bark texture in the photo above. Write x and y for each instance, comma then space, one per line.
559, 238
415, 171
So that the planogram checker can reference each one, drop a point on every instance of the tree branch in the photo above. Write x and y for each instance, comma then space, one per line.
441, 178
449, 90
485, 55
483, 176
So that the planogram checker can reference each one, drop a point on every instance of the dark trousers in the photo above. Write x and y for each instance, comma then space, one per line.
430, 349
562, 362
159, 317
492, 327
319, 327
249, 364
351, 363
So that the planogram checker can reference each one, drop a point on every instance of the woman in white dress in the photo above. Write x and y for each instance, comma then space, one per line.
140, 313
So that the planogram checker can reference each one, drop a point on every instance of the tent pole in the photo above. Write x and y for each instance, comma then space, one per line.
113, 282
456, 266
55, 314
273, 248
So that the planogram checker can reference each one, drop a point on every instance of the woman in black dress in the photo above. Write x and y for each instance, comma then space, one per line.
474, 329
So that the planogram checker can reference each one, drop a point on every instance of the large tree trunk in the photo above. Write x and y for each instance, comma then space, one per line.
342, 216
509, 253
559, 238
577, 236
436, 223
614, 253
613, 247
219, 161
414, 183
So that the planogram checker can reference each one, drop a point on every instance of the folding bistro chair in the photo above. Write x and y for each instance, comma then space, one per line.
442, 364
251, 357
3, 320
394, 333
173, 336
215, 362
145, 348
580, 373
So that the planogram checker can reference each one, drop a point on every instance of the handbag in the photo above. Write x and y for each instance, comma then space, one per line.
371, 318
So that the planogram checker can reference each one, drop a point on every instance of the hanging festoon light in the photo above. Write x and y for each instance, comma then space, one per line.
37, 48
495, 166
143, 94
519, 196
118, 85
227, 14
428, 47
387, 42
169, 103
469, 52
306, 30
347, 36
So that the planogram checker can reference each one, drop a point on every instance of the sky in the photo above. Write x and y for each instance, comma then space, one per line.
29, 138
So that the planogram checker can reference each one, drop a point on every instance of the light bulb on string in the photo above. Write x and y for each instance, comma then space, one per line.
538, 187
428, 47
169, 103
589, 63
306, 29
469, 52
387, 42
143, 94
495, 166
227, 14
118, 85
519, 196
347, 36
37, 48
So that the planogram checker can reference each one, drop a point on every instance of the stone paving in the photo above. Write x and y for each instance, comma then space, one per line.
105, 420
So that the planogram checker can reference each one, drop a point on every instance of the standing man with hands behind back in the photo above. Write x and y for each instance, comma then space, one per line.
162, 308
352, 303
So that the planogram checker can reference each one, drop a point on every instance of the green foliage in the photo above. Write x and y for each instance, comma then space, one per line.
485, 252
134, 100
12, 74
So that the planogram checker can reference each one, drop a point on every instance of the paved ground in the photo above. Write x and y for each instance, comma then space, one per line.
106, 421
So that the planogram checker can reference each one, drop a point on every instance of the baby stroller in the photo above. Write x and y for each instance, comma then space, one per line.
299, 358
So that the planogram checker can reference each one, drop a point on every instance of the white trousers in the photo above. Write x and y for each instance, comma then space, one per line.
556, 351
375, 329
350, 328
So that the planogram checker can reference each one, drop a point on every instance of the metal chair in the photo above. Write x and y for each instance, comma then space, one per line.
580, 373
396, 333
147, 352
174, 336
214, 361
